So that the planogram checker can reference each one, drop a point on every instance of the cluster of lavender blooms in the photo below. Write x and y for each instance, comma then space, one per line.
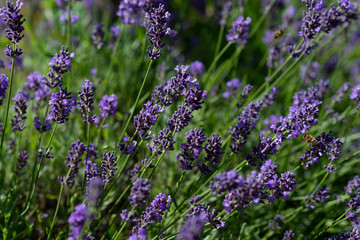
310, 72
198, 208
154, 212
276, 223
78, 219
192, 150
86, 102
140, 192
302, 116
108, 106
239, 192
98, 36
320, 196
239, 32
21, 161
319, 19
20, 107
65, 17
72, 162
157, 18
14, 20
34, 88
131, 11
62, 103
247, 119
327, 145
4, 84
60, 64
109, 166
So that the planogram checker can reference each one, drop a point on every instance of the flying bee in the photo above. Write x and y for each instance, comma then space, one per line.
278, 33
311, 140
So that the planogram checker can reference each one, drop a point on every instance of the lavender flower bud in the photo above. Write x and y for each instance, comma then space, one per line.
289, 235
147, 118
355, 95
108, 166
86, 96
197, 69
318, 197
232, 87
246, 90
20, 110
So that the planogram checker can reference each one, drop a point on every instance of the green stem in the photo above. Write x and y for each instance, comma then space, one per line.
87, 151
58, 204
116, 46
218, 44
27, 202
136, 101
7, 104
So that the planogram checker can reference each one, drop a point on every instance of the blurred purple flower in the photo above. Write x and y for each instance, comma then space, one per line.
140, 192
232, 87
355, 95
276, 223
319, 197
98, 36
225, 12
65, 17
108, 106
4, 84
94, 189
21, 161
239, 32
78, 219
196, 69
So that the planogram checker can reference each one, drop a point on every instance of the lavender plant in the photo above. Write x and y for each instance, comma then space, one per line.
179, 120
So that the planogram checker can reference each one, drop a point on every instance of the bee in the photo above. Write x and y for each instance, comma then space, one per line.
311, 140
278, 33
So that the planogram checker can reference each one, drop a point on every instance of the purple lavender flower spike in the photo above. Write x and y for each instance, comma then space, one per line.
171, 90
194, 97
40, 126
78, 219
108, 106
147, 117
213, 150
14, 19
327, 145
352, 186
320, 196
108, 166
156, 30
180, 119
140, 192
4, 84
61, 103
238, 191
225, 13
198, 208
21, 161
60, 64
72, 162
34, 89
192, 149
288, 235
98, 36
162, 142
20, 110
239, 32
86, 102
154, 212
246, 90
